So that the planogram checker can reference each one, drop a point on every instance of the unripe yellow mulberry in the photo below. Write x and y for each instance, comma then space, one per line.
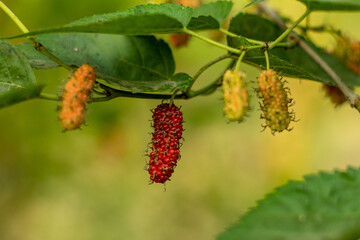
275, 101
74, 97
235, 95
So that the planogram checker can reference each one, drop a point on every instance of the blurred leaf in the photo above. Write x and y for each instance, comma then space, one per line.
16, 95
17, 80
332, 5
149, 19
323, 206
253, 2
133, 63
294, 56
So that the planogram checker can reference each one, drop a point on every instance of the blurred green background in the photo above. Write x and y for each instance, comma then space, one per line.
90, 184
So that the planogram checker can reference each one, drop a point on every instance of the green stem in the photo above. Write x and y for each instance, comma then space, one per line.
214, 43
288, 31
173, 96
237, 67
205, 90
226, 32
46, 52
13, 17
113, 93
267, 59
204, 68
48, 96
253, 47
37, 45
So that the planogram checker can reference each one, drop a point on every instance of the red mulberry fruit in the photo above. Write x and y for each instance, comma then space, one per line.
168, 128
235, 95
74, 97
335, 94
275, 101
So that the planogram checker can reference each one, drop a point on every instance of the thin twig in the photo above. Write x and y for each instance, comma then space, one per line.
204, 68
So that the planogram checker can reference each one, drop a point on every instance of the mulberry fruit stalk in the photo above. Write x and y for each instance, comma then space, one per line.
275, 101
168, 128
74, 97
236, 96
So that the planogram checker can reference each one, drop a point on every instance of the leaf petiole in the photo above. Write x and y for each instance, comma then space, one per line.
226, 32
242, 55
205, 39
13, 17
47, 96
204, 68
289, 30
267, 59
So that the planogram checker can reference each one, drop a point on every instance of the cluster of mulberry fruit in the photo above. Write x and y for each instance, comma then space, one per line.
275, 101
75, 96
236, 96
166, 141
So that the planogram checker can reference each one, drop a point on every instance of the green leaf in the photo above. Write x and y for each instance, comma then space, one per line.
149, 19
256, 58
210, 16
16, 95
36, 59
132, 63
332, 5
179, 81
296, 57
253, 2
17, 80
323, 206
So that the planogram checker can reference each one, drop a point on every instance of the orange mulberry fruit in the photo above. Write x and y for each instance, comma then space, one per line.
178, 40
348, 51
189, 3
235, 95
158, 1
275, 101
75, 96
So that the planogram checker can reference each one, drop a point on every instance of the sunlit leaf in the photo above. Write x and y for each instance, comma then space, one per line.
149, 19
